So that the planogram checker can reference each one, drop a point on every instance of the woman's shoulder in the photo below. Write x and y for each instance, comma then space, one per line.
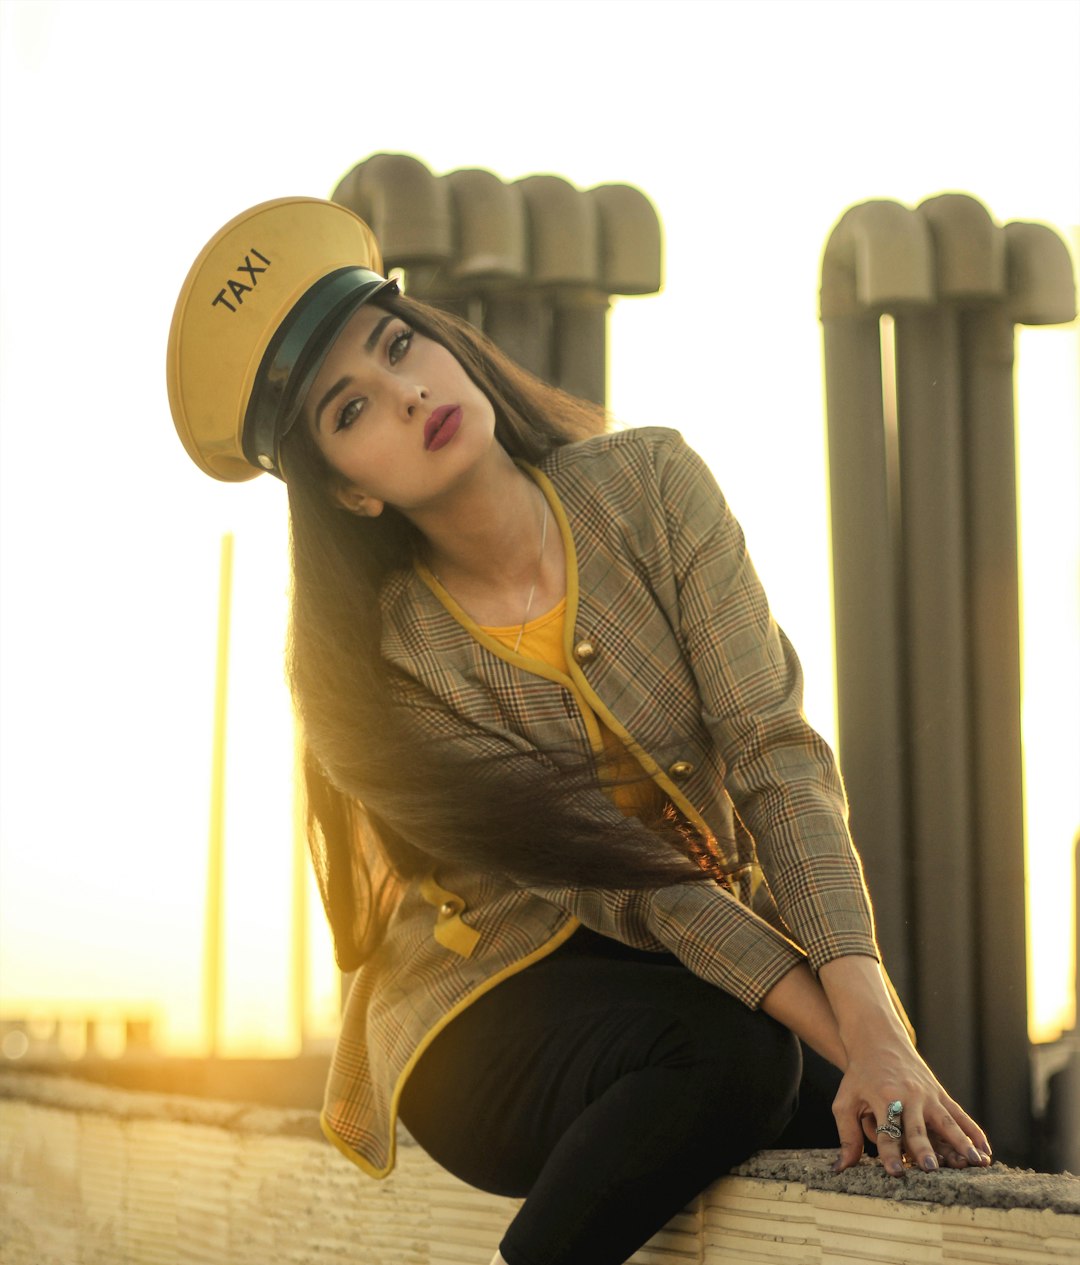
636, 445
641, 471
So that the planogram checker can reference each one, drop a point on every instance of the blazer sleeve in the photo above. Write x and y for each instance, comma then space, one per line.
781, 776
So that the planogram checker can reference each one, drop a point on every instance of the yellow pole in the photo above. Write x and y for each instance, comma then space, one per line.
299, 895
212, 954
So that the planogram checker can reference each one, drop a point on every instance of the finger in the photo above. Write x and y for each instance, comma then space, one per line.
975, 1149
851, 1150
953, 1118
917, 1144
850, 1135
889, 1133
970, 1127
891, 1157
950, 1157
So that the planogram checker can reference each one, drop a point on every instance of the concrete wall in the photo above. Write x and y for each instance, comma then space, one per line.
96, 1176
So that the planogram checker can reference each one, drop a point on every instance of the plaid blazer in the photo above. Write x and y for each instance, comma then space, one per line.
670, 645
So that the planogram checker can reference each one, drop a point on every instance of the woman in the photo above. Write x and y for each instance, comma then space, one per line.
567, 817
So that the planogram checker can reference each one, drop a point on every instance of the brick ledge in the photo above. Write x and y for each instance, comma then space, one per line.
89, 1174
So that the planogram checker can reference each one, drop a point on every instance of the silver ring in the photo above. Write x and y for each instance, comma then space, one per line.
892, 1125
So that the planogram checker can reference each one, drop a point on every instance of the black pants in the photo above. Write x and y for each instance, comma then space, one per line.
609, 1087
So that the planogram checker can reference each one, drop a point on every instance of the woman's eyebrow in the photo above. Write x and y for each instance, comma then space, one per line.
327, 398
373, 337
369, 345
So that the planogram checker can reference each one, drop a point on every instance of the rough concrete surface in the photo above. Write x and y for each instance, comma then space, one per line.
996, 1187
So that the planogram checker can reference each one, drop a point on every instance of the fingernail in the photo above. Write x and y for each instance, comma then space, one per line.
985, 1158
974, 1156
895, 1167
929, 1163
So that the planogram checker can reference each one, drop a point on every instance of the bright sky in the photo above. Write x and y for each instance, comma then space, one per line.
130, 132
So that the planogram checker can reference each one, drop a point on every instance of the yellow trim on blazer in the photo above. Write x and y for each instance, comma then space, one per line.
538, 667
589, 703
545, 950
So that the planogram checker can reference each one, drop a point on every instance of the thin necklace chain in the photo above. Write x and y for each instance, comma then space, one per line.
536, 579
536, 576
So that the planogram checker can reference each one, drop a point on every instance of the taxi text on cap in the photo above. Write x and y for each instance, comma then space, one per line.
258, 313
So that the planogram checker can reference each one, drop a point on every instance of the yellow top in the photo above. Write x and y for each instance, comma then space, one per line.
542, 638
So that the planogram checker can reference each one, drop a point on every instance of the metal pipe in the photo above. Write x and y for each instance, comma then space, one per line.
937, 677
987, 351
869, 702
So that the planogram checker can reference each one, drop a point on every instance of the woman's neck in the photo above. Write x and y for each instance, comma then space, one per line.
493, 548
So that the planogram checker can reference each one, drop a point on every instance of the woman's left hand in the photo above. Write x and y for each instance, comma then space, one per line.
882, 1067
934, 1128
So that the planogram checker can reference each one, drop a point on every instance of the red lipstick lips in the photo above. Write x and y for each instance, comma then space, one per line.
441, 426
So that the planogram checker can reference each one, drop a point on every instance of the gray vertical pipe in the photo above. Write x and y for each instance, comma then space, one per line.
937, 675
580, 350
870, 708
990, 434
521, 324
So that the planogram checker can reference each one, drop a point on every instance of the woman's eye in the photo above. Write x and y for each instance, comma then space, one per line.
399, 345
350, 411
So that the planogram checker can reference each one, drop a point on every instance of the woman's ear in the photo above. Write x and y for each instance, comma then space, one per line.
356, 502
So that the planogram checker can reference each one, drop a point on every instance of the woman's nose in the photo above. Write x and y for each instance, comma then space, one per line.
415, 398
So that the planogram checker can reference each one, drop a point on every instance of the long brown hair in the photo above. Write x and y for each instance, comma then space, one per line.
373, 821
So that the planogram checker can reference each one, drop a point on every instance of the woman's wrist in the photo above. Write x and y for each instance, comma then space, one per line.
860, 1000
798, 1001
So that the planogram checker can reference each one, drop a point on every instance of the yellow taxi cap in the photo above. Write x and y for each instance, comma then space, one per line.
240, 289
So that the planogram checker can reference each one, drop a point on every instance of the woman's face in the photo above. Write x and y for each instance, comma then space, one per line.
396, 416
